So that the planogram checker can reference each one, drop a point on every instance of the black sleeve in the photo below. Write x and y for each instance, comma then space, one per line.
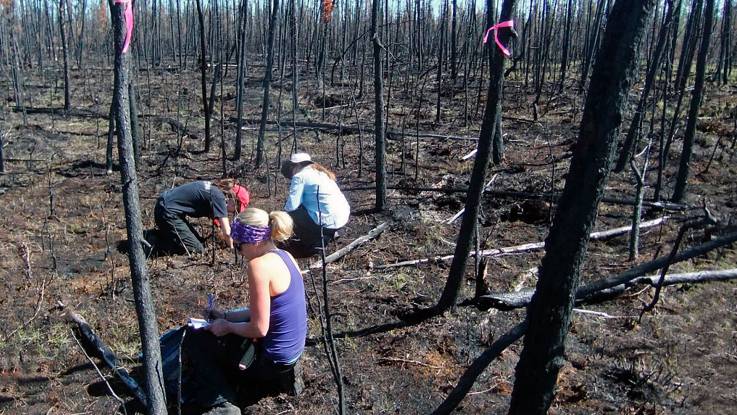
219, 206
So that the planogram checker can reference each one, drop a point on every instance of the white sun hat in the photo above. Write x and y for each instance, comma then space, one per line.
300, 158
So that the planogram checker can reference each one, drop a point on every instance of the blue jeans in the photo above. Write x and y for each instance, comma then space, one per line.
306, 240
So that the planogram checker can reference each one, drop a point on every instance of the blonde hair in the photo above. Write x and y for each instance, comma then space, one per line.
281, 223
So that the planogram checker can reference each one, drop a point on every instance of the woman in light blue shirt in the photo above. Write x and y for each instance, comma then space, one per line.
314, 200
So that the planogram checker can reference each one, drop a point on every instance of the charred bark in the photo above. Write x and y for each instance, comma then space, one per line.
478, 176
149, 332
241, 73
203, 75
565, 247
630, 140
679, 190
267, 82
65, 52
379, 133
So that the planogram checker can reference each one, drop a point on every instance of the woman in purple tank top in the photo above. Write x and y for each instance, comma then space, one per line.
275, 321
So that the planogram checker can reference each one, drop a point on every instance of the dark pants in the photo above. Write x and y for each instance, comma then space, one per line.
306, 240
175, 234
216, 378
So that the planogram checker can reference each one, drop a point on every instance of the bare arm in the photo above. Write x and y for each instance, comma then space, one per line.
225, 229
259, 307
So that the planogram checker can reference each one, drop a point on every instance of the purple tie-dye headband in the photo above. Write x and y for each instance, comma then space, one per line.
244, 233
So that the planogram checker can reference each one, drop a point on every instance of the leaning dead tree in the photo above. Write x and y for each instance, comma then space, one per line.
639, 114
122, 17
679, 190
483, 155
565, 248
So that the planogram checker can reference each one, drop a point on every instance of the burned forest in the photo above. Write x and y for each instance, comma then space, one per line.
542, 196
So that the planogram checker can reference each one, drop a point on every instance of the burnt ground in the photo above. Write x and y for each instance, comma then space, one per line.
60, 209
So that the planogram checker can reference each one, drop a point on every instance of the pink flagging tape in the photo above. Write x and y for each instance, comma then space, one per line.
495, 28
128, 14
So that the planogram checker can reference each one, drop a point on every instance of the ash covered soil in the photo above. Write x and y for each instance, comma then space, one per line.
61, 218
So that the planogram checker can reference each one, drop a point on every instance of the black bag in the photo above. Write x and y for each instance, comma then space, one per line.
171, 361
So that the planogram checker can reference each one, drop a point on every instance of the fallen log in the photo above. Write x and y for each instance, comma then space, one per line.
354, 129
373, 233
670, 279
510, 194
607, 287
554, 196
99, 373
72, 112
175, 125
687, 278
526, 247
96, 347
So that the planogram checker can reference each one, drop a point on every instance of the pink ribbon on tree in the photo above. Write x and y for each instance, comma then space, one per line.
128, 14
495, 28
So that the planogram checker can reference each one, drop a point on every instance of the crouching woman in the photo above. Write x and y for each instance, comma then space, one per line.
250, 353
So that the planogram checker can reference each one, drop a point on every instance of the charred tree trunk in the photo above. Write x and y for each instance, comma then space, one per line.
2, 157
634, 242
203, 75
110, 137
481, 161
593, 43
295, 73
439, 76
65, 52
497, 143
136, 135
724, 62
682, 73
240, 79
566, 43
630, 140
149, 331
565, 248
80, 39
267, 82
379, 111
16, 70
689, 44
216, 75
453, 42
679, 190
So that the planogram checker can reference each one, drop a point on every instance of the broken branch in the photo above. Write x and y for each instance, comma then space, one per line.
352, 246
526, 247
608, 287
99, 349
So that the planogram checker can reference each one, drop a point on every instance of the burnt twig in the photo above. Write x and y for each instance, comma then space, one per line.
104, 379
705, 220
